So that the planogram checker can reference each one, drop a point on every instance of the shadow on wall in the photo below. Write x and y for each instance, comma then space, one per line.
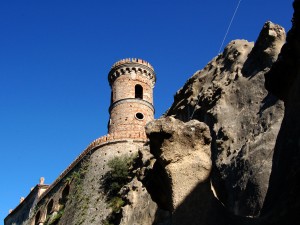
201, 207
282, 203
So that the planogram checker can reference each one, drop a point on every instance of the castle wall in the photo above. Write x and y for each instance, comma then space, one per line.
94, 208
86, 203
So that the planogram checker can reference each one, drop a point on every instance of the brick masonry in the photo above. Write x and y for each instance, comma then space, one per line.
128, 113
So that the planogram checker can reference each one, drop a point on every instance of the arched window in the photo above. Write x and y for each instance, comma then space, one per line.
138, 91
64, 195
49, 207
37, 218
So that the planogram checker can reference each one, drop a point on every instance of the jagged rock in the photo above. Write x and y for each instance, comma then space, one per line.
244, 119
266, 49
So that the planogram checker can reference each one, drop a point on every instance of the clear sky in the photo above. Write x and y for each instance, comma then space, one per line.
54, 60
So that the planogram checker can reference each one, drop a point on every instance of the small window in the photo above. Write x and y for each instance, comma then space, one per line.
138, 91
139, 116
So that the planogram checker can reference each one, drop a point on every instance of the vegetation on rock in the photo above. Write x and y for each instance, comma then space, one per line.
120, 174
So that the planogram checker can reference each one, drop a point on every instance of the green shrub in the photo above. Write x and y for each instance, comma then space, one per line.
118, 176
54, 219
116, 204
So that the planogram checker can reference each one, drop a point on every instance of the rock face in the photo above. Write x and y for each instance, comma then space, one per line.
140, 209
179, 181
183, 151
244, 119
282, 204
211, 153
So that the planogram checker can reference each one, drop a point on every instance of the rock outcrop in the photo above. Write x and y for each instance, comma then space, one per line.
244, 119
139, 208
248, 96
183, 151
182, 168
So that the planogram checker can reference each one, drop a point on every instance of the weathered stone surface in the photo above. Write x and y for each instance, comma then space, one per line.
183, 150
139, 208
244, 119
91, 206
179, 180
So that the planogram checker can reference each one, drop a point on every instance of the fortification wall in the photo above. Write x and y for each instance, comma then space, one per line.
37, 206
85, 202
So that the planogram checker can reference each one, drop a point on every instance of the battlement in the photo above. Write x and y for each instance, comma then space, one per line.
129, 65
132, 60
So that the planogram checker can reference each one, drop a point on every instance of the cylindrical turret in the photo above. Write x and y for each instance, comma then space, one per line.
132, 82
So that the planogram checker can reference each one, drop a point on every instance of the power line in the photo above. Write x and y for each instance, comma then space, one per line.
232, 18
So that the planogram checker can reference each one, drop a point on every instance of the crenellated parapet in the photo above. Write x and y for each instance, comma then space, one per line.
132, 65
133, 60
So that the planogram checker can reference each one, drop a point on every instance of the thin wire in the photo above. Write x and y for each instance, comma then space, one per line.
236, 9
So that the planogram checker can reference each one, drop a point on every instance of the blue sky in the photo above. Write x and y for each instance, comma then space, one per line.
55, 57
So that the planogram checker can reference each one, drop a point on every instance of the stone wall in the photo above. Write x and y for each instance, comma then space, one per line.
36, 205
87, 202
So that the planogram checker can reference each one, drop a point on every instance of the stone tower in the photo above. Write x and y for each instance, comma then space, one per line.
132, 82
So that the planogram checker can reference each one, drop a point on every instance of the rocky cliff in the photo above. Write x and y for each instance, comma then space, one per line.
227, 150
282, 202
225, 164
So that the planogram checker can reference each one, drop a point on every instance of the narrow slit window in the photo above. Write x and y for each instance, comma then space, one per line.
138, 91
